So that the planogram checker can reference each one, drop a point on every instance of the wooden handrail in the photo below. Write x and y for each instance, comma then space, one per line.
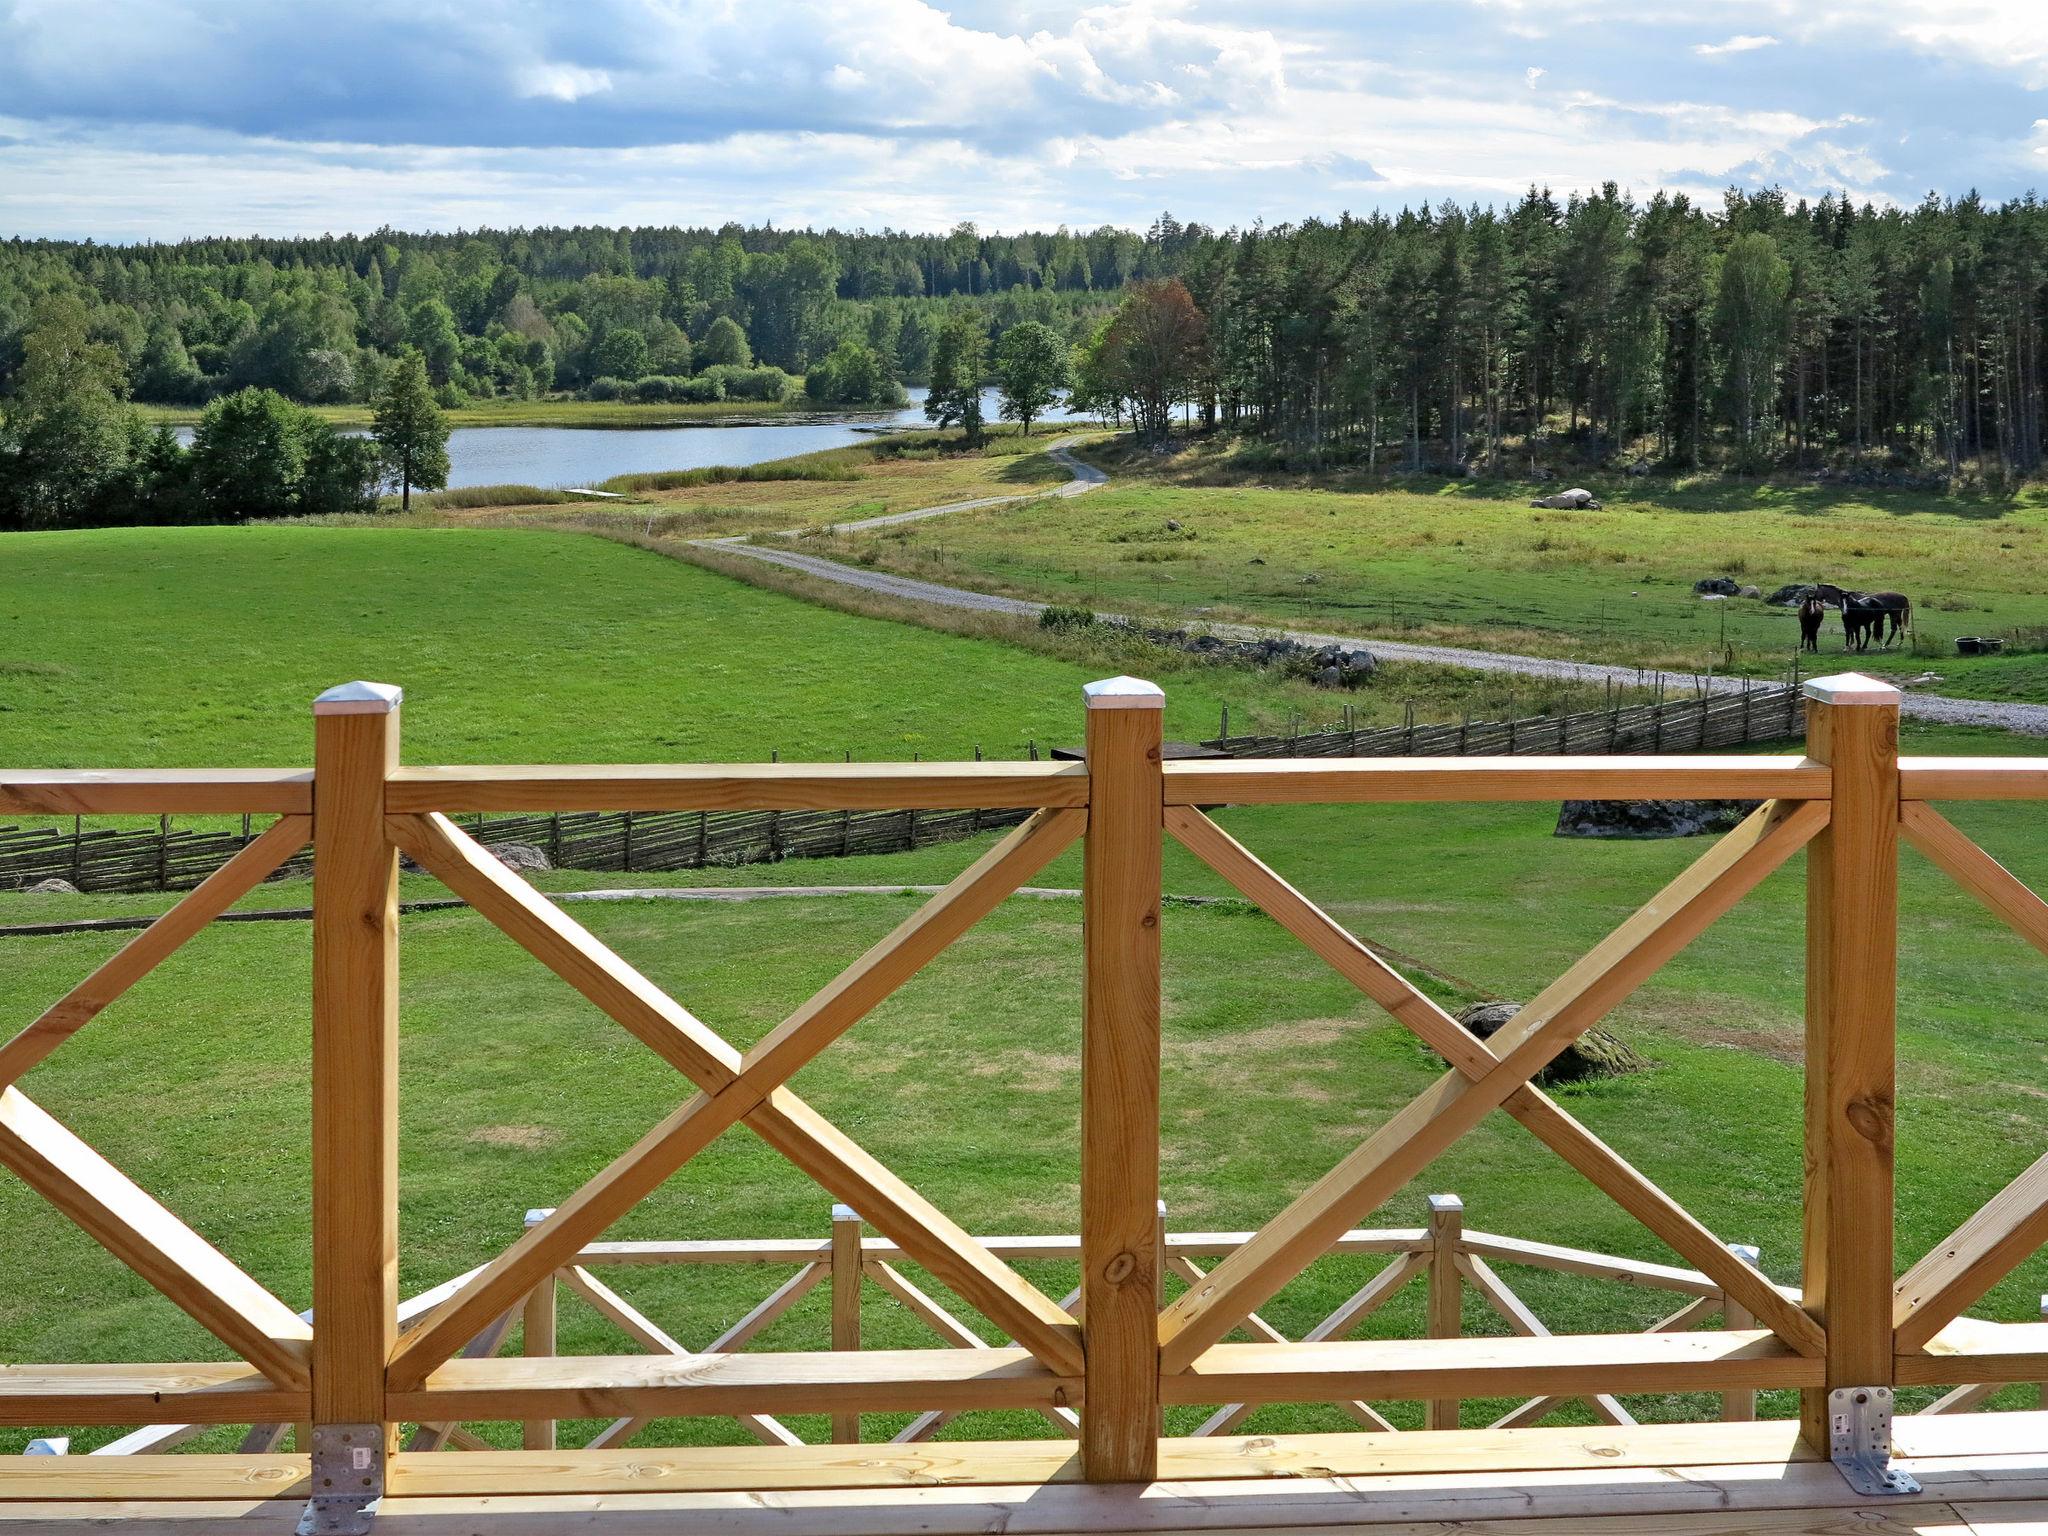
1323, 780
156, 791
741, 787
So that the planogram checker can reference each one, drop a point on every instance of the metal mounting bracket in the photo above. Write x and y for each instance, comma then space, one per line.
348, 1480
1860, 1441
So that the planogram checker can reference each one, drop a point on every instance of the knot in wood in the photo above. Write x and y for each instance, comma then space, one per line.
1120, 1268
1872, 1120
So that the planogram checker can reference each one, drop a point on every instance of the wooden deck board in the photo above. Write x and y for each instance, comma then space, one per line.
1544, 1482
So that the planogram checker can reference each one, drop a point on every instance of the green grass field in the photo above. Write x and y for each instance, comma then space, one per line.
207, 646
1471, 562
967, 1081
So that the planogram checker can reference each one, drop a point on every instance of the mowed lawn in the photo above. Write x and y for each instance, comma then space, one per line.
967, 1081
1472, 562
208, 645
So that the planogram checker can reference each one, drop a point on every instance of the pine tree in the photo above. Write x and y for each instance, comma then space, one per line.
411, 433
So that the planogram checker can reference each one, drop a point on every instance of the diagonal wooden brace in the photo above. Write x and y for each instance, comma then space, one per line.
1437, 1117
154, 945
1473, 1057
130, 1224
737, 1089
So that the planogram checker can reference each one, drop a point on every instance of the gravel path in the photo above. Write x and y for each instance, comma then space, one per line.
2027, 719
1086, 477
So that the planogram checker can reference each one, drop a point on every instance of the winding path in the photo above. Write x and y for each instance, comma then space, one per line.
2028, 719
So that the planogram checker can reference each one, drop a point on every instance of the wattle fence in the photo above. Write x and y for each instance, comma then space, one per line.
167, 858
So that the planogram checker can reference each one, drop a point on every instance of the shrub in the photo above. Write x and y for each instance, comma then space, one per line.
1058, 616
766, 384
607, 389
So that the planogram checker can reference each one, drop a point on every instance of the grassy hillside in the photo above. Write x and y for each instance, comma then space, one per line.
514, 1090
1471, 562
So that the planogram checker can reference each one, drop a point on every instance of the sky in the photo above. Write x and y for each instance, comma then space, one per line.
158, 119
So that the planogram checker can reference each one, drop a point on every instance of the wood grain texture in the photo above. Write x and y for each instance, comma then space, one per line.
873, 1381
1537, 1111
1444, 1315
1569, 1366
846, 1284
231, 1393
1122, 1265
156, 791
741, 787
1417, 1134
355, 1070
1973, 778
1413, 779
1851, 985
153, 945
131, 1224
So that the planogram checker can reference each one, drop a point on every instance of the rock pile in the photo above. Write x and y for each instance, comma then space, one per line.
1327, 666
1596, 1053
1649, 818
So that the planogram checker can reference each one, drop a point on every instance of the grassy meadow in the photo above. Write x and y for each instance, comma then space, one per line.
514, 1090
205, 646
1472, 563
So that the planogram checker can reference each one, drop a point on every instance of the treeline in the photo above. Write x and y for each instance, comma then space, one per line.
614, 313
1769, 331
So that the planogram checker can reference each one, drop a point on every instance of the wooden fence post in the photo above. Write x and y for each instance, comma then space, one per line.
1446, 1291
538, 1320
846, 1277
1120, 1258
1851, 974
355, 1068
1739, 1407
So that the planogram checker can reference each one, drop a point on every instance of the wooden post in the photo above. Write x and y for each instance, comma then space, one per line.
1120, 1258
1852, 724
538, 1319
1446, 1291
355, 1055
846, 1275
1739, 1407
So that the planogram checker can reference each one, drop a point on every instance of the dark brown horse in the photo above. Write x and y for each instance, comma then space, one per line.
1865, 614
1811, 611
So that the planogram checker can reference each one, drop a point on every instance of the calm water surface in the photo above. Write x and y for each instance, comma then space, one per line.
584, 456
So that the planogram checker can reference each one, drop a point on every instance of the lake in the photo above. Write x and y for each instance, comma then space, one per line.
584, 456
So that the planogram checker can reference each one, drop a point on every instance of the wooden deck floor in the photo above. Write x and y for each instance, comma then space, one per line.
1984, 1475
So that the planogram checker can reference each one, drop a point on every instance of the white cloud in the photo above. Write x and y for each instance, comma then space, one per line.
560, 82
1742, 42
1534, 73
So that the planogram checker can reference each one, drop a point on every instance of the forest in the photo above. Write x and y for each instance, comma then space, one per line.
1598, 327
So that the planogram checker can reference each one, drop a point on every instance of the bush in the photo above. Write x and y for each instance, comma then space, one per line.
766, 384
1057, 616
677, 388
607, 389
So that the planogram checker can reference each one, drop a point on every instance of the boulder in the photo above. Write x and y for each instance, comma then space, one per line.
1574, 500
1790, 595
521, 856
1716, 586
1649, 818
1638, 470
1596, 1053
53, 887
1749, 592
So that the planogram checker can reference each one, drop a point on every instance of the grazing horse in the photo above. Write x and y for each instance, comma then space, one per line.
1811, 611
1861, 619
1896, 607
1865, 614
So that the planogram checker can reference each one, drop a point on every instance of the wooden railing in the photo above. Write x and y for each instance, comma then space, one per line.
1105, 1362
